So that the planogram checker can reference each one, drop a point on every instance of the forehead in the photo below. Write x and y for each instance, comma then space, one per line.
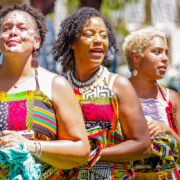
158, 41
95, 22
18, 16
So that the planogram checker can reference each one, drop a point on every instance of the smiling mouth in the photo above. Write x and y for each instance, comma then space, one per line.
96, 52
12, 43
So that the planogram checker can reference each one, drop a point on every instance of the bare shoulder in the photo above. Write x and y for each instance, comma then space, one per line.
123, 88
174, 97
120, 82
50, 83
48, 77
45, 74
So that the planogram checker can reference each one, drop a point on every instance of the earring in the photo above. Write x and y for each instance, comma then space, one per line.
34, 61
135, 72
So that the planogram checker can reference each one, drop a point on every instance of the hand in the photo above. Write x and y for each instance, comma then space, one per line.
156, 128
11, 139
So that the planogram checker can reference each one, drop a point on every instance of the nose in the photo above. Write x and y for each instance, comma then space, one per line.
97, 38
165, 58
13, 31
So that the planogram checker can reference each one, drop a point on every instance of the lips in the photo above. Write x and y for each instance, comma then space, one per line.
13, 42
96, 51
162, 68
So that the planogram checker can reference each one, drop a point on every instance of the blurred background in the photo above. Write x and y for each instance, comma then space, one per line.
125, 16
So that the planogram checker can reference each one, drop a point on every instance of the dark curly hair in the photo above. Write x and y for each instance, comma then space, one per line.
70, 30
36, 15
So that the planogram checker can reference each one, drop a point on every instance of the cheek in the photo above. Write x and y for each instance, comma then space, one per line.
106, 45
4, 37
26, 37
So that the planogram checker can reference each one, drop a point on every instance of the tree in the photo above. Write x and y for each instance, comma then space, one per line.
91, 3
109, 8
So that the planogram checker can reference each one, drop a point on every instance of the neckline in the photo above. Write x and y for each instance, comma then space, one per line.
15, 84
34, 75
91, 83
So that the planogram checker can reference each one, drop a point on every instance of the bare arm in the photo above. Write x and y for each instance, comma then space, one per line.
137, 145
72, 147
175, 99
156, 127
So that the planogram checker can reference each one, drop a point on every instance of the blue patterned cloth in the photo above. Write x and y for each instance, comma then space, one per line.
20, 162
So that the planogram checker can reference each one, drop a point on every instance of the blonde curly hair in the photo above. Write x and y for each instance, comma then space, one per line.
138, 41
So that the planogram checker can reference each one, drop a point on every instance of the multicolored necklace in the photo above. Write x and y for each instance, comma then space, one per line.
91, 83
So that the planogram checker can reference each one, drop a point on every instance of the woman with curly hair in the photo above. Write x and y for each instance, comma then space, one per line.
113, 117
39, 111
146, 52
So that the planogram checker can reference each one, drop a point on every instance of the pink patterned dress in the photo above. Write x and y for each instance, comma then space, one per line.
30, 113
100, 110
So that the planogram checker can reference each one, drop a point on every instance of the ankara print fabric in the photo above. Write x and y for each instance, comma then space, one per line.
31, 114
100, 110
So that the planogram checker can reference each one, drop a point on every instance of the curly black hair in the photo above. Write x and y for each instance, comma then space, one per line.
70, 30
36, 15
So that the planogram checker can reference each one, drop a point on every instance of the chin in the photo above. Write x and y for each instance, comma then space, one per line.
161, 76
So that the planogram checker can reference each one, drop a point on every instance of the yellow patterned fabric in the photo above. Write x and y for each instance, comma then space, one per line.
165, 147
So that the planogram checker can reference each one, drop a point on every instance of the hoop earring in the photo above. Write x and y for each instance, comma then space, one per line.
135, 72
34, 61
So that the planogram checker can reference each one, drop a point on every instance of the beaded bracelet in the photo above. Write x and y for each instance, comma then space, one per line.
38, 149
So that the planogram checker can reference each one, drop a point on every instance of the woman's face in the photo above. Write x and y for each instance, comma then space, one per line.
17, 33
155, 61
92, 44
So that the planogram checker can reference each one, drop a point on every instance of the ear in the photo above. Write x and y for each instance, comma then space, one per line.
37, 42
135, 57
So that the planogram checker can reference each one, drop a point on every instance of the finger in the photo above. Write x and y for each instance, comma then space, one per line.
156, 133
6, 132
7, 142
151, 126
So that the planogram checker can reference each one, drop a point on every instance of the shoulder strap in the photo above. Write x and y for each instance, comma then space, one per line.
163, 93
170, 109
36, 79
112, 80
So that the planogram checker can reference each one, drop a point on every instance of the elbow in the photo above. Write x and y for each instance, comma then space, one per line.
81, 156
84, 154
78, 157
146, 152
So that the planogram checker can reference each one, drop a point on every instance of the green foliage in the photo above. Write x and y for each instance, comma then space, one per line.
113, 10
72, 5
108, 6
110, 9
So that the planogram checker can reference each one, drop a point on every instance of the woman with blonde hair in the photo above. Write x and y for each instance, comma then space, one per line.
146, 52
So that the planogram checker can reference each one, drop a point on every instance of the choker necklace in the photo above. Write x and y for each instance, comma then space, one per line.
89, 84
18, 82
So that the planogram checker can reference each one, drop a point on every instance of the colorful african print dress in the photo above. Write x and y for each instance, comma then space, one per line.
30, 113
100, 110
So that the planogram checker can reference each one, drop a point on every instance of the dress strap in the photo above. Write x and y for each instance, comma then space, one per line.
163, 93
170, 109
112, 81
167, 95
36, 79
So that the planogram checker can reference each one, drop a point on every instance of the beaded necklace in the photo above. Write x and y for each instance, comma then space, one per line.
91, 83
